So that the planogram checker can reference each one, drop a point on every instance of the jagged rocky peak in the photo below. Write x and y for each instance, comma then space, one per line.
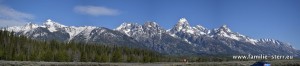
53, 26
26, 27
128, 25
151, 24
153, 27
182, 24
199, 27
201, 30
183, 20
275, 42
51, 23
128, 28
224, 28
30, 25
270, 40
224, 31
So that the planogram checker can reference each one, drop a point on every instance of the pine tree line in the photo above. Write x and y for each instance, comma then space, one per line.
21, 48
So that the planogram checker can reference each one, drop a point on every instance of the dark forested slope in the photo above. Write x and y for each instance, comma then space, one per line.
21, 48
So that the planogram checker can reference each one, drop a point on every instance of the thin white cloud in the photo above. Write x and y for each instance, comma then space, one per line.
12, 17
96, 10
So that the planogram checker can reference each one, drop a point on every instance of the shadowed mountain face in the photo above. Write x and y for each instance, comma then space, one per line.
182, 39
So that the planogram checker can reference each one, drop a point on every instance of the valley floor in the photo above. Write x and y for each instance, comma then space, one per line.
229, 63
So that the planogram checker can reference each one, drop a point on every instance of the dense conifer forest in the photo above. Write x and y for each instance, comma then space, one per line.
21, 48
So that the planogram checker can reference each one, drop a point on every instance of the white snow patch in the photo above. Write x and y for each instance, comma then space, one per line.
202, 33
52, 26
36, 35
232, 36
41, 34
87, 31
182, 20
187, 41
73, 31
253, 41
127, 32
190, 31
52, 29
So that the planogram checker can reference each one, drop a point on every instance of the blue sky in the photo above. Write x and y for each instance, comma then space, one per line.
277, 19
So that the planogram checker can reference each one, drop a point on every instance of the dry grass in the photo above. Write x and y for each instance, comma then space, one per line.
230, 63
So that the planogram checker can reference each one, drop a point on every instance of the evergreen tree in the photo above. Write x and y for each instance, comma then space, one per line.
117, 56
21, 48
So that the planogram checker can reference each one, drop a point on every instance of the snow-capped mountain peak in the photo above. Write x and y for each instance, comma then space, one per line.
224, 31
201, 30
27, 27
183, 20
153, 28
270, 40
151, 24
128, 27
74, 31
52, 26
224, 28
200, 27
30, 25
51, 23
182, 24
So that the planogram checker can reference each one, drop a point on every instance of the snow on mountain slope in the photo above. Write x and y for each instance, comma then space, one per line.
87, 31
27, 27
73, 31
224, 31
182, 38
128, 27
52, 26
182, 26
134, 29
198, 38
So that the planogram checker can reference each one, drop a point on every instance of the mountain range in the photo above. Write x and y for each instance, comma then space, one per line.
182, 39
